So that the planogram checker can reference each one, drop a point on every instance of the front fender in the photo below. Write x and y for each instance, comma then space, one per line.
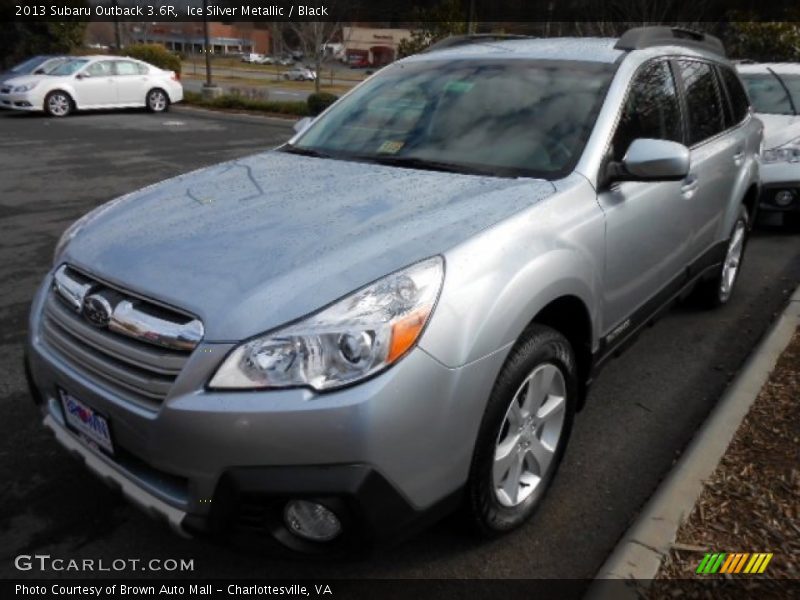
747, 176
496, 283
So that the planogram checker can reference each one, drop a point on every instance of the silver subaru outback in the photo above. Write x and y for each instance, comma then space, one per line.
399, 311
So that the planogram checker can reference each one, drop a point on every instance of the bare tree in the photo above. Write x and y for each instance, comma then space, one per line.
313, 36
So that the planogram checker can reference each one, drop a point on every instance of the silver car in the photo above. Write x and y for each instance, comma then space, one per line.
400, 311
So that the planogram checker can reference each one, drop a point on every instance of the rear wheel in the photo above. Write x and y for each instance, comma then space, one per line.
58, 104
524, 432
157, 101
718, 290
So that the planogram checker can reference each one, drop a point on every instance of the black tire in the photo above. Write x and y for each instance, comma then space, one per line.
712, 293
540, 346
157, 101
58, 104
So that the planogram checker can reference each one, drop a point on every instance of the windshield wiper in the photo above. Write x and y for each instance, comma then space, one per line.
304, 151
413, 162
786, 90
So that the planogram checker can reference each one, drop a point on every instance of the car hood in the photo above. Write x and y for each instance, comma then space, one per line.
23, 79
779, 129
255, 243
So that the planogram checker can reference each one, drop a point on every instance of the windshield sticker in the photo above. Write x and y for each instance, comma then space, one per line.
390, 147
458, 87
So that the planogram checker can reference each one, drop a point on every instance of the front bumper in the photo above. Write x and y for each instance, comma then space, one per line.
200, 458
20, 101
776, 177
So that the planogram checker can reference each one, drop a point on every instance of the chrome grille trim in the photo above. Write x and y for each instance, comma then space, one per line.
133, 346
127, 318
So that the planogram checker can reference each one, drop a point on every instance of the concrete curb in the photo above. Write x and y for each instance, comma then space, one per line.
638, 554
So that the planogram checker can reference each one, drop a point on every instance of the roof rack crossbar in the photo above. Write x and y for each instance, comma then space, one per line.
474, 38
647, 37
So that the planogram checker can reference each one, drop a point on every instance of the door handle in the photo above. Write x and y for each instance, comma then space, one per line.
689, 186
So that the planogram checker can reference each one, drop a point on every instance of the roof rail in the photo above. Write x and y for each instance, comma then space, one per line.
647, 37
474, 38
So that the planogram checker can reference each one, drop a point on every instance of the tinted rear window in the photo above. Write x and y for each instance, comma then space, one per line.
739, 101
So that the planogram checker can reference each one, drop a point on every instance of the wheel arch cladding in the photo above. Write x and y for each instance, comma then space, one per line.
570, 316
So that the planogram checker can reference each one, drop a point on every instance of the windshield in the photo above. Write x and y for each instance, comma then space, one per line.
773, 93
509, 118
68, 68
29, 65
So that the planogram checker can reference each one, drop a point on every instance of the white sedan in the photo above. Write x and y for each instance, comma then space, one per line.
93, 82
300, 74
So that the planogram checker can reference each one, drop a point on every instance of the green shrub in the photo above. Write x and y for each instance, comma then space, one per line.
319, 102
239, 102
156, 55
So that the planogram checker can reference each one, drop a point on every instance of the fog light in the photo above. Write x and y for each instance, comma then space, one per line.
784, 198
311, 521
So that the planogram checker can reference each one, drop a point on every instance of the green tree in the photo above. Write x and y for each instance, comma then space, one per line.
20, 39
764, 41
436, 23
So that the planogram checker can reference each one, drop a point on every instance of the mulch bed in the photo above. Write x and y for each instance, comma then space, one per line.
752, 501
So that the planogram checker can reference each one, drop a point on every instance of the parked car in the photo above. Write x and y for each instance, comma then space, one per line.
402, 308
252, 57
36, 65
93, 82
300, 74
285, 61
775, 91
265, 60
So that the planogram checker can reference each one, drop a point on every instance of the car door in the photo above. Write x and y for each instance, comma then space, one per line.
133, 82
648, 228
95, 85
715, 157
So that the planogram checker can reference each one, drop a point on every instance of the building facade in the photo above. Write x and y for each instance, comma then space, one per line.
369, 46
224, 38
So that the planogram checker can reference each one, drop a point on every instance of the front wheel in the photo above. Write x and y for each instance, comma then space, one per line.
157, 101
718, 290
524, 432
58, 104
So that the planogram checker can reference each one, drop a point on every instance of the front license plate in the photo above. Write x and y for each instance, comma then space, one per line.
90, 425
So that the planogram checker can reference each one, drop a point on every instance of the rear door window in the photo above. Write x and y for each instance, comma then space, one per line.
705, 117
127, 67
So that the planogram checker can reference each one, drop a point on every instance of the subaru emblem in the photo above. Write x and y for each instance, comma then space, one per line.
97, 310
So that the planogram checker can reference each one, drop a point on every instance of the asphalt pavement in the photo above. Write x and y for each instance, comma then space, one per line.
641, 413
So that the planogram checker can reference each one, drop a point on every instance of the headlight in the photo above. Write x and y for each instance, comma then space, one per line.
350, 340
787, 153
25, 88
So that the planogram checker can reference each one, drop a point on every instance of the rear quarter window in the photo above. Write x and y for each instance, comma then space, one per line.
739, 102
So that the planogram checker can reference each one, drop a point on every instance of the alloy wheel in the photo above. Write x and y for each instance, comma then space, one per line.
733, 259
529, 435
58, 105
158, 101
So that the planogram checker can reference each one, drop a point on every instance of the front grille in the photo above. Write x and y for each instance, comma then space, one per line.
131, 345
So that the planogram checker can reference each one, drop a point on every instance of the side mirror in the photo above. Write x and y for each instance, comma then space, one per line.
82, 76
38, 72
652, 160
303, 124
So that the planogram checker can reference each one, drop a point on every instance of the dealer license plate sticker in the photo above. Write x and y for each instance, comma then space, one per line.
90, 425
